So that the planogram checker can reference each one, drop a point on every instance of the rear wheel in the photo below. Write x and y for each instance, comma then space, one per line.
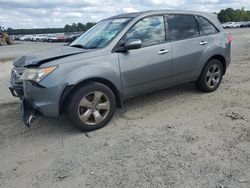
92, 106
211, 76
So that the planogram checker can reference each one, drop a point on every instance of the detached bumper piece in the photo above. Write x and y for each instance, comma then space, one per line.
28, 113
16, 92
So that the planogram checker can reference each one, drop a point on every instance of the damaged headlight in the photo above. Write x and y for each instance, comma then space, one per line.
36, 74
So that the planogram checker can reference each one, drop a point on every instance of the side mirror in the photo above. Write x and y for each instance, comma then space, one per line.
133, 44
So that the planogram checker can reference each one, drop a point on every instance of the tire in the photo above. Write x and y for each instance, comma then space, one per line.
88, 103
9, 41
211, 76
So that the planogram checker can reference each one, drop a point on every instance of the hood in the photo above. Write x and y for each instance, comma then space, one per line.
49, 55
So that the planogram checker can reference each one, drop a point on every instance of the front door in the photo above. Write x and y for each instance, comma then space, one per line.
149, 67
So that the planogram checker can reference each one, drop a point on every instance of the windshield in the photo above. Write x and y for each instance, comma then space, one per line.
101, 34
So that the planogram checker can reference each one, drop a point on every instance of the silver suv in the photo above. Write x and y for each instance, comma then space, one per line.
119, 58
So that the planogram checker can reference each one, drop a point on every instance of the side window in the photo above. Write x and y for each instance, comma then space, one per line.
150, 30
206, 28
182, 27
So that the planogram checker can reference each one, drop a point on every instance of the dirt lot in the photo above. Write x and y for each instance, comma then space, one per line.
177, 137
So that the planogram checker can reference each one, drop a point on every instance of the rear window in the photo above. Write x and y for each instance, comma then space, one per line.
206, 28
182, 27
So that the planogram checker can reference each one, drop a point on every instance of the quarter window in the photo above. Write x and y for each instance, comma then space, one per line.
150, 30
182, 27
206, 28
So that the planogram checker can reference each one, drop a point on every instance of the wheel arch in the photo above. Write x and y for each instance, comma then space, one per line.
69, 90
221, 59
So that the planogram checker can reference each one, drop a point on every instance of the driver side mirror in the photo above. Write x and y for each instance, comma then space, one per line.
133, 44
130, 44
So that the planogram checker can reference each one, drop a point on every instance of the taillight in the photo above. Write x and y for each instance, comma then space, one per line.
229, 38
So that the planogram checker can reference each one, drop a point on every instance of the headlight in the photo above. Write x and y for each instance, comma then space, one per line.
37, 74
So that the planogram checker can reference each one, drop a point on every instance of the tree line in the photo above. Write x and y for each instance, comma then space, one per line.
234, 15
75, 27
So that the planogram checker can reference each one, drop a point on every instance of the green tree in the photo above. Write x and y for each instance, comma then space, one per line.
67, 28
89, 25
234, 15
81, 27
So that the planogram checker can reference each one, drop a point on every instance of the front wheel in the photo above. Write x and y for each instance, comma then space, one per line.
211, 76
91, 106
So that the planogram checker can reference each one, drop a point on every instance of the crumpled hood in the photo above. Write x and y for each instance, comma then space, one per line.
37, 59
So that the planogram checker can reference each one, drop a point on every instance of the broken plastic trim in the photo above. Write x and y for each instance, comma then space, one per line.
28, 113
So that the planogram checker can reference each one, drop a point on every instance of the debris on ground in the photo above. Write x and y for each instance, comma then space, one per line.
235, 116
244, 180
63, 169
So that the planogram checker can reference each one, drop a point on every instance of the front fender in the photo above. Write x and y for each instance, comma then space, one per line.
102, 71
72, 73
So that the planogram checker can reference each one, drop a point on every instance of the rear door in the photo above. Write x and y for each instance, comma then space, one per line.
149, 67
187, 44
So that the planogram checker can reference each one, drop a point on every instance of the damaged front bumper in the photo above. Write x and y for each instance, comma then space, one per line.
28, 112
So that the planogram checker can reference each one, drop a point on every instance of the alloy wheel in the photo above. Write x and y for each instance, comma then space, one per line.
213, 76
93, 108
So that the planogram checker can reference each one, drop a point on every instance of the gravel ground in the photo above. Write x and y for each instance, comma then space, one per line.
177, 137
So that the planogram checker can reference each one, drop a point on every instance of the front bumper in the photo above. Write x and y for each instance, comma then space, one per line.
28, 112
46, 100
16, 91
36, 101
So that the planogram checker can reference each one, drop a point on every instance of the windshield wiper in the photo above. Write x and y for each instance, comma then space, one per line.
78, 46
84, 47
94, 48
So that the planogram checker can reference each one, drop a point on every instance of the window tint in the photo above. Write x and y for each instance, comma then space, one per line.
206, 28
150, 31
182, 27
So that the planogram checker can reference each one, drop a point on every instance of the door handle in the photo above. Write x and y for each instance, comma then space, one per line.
161, 52
203, 42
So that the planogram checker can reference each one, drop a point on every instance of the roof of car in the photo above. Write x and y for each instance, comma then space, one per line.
135, 14
209, 16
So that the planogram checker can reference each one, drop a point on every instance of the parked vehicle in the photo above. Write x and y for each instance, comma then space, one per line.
72, 37
60, 38
16, 37
26, 38
38, 38
244, 24
42, 38
236, 25
119, 58
51, 38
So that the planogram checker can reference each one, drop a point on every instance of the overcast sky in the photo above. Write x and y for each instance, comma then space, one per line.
57, 13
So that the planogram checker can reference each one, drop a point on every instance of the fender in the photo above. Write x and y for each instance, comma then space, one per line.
215, 48
102, 71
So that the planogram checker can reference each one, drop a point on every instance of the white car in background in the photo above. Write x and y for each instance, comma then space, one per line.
26, 38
